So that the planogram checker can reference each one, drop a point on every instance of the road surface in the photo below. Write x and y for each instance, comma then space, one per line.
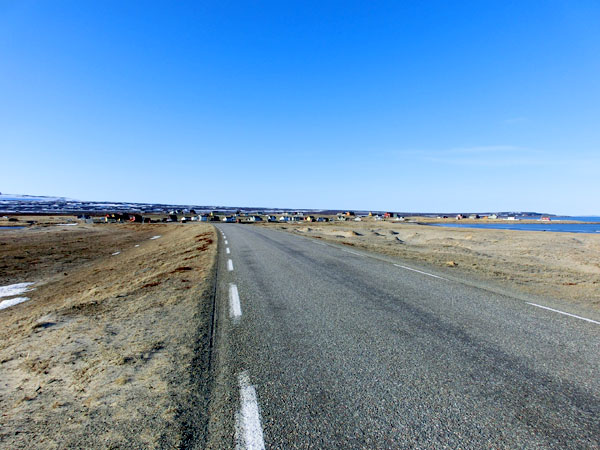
322, 346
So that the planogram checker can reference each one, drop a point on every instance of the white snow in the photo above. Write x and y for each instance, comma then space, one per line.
66, 224
34, 198
115, 253
12, 302
136, 245
14, 289
155, 237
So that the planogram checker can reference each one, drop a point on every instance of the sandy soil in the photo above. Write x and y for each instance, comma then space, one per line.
555, 265
111, 349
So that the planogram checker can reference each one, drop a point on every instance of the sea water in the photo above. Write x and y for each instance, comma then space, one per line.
541, 226
9, 228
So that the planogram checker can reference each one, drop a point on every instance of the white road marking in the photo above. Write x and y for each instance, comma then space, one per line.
229, 265
565, 313
227, 250
248, 430
424, 273
116, 253
226, 243
354, 253
235, 309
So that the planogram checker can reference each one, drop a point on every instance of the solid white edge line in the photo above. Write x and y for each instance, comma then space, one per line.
565, 313
235, 309
229, 265
248, 430
227, 250
424, 273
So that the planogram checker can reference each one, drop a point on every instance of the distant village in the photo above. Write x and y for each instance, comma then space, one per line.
184, 215
242, 217
149, 212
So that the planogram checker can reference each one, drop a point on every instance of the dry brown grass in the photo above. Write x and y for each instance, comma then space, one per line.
101, 354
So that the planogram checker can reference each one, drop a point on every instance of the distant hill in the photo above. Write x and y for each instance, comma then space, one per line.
32, 198
40, 204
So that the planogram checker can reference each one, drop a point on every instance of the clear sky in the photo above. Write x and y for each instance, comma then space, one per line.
402, 105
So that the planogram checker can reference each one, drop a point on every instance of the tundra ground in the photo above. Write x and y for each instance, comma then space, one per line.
112, 348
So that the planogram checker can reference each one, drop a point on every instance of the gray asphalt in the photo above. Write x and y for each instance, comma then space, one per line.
349, 351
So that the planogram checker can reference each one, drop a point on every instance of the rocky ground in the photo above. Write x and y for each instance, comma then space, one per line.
554, 265
112, 348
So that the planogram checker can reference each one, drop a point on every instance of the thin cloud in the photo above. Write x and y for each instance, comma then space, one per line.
484, 149
488, 162
516, 120
475, 150
510, 156
487, 156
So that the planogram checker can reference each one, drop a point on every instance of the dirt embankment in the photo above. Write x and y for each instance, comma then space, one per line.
112, 347
555, 265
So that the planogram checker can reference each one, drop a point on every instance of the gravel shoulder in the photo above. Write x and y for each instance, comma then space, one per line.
112, 349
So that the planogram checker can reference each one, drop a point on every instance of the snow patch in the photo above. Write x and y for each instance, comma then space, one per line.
12, 302
136, 245
115, 253
65, 224
155, 237
14, 289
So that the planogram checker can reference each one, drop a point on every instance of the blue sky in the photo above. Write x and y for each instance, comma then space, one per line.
407, 106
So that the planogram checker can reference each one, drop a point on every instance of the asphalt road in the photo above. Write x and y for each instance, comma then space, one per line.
330, 347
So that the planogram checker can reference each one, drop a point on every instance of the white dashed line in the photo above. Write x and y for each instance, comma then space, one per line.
226, 243
424, 273
227, 250
235, 309
565, 313
229, 265
248, 430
